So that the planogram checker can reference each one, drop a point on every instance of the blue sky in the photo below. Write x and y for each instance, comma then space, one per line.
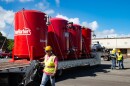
106, 17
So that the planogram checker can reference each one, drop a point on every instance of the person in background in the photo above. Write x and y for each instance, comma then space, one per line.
113, 58
51, 63
120, 60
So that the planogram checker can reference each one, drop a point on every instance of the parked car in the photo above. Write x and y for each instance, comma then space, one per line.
5, 55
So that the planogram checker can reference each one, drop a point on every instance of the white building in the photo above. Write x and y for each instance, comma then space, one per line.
122, 43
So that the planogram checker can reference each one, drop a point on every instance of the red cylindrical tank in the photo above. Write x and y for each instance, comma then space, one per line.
58, 37
86, 40
75, 41
30, 34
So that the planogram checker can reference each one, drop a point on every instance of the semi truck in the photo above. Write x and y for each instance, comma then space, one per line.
33, 31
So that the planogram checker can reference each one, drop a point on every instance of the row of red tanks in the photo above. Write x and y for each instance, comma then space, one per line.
32, 34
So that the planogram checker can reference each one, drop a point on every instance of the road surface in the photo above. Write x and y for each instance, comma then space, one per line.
96, 76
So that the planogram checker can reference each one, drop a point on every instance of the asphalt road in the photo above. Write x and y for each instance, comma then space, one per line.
96, 76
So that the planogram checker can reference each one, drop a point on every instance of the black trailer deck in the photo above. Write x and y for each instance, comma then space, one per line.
7, 66
12, 71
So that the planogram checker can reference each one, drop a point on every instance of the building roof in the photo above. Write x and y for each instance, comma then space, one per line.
112, 38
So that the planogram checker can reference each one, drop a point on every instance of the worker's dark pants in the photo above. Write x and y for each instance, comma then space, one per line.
113, 66
121, 65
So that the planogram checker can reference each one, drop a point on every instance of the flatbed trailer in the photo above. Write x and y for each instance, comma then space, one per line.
12, 73
22, 65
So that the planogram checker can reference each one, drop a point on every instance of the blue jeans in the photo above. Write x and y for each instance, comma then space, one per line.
45, 78
121, 66
113, 66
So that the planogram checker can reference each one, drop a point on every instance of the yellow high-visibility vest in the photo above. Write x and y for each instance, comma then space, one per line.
49, 64
120, 57
113, 52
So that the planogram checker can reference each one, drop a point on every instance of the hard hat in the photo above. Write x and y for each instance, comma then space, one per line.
119, 51
113, 51
48, 48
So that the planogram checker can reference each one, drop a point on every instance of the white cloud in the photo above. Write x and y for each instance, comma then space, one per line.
92, 25
6, 19
2, 25
8, 1
111, 31
57, 2
42, 5
61, 16
74, 20
124, 35
49, 11
9, 17
106, 33
85, 24
25, 0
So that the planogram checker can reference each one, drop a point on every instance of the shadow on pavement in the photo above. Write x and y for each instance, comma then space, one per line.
123, 69
126, 68
83, 71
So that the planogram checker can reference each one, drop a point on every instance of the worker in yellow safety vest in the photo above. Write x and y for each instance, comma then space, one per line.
113, 59
50, 62
120, 60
